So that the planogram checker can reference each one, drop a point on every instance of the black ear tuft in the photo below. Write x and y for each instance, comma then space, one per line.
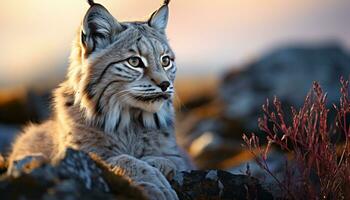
166, 2
91, 2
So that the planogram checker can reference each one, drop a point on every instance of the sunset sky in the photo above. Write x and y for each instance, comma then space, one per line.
207, 36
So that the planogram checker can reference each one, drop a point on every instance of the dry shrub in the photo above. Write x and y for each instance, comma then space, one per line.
319, 167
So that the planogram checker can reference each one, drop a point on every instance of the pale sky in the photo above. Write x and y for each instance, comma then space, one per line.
207, 36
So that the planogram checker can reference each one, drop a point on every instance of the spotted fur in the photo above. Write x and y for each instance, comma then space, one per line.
110, 107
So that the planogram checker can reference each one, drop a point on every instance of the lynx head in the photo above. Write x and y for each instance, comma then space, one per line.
117, 64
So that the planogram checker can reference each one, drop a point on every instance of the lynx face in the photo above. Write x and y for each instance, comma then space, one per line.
124, 64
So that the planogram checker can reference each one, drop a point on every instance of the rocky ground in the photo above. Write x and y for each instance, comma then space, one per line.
77, 176
210, 126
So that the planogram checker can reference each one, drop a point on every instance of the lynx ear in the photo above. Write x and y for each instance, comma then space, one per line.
98, 28
159, 19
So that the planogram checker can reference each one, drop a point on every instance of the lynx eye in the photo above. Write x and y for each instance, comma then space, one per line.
165, 60
135, 62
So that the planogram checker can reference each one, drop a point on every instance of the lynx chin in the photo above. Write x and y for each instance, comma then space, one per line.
116, 102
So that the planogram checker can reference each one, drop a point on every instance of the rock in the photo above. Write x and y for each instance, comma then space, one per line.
217, 184
29, 187
17, 109
80, 176
287, 73
75, 164
207, 140
210, 148
26, 106
276, 162
7, 135
76, 176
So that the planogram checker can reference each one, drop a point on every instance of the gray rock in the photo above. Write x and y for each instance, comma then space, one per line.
287, 73
276, 162
32, 106
217, 184
76, 176
19, 111
7, 135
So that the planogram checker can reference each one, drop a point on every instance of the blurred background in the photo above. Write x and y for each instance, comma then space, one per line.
231, 56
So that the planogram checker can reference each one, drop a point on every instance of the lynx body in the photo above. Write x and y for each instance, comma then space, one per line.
116, 102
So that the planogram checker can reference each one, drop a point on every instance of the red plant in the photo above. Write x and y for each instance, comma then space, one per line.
315, 170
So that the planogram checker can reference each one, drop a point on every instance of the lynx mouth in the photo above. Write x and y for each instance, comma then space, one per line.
152, 98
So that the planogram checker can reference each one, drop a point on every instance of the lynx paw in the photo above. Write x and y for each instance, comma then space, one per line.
150, 179
157, 182
166, 166
157, 192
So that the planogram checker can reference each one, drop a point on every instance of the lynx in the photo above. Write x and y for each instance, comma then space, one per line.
116, 102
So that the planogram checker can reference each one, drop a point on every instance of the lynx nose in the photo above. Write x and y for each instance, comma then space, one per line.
164, 85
